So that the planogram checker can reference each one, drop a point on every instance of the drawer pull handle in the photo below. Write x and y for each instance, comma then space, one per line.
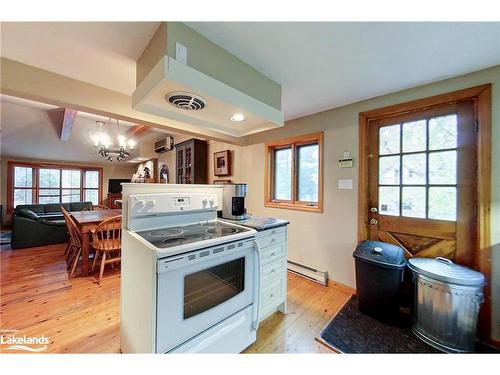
273, 240
272, 295
273, 270
272, 254
273, 232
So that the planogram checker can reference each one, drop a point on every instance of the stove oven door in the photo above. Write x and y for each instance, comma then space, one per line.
198, 290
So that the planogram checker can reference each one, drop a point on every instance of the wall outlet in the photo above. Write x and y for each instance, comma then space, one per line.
181, 53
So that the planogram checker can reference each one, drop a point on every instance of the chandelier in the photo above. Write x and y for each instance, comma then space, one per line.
104, 145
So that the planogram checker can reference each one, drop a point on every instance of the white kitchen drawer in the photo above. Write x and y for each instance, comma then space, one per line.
272, 270
271, 253
271, 240
271, 232
272, 295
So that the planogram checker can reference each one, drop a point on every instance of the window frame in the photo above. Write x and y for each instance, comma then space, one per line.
294, 143
36, 185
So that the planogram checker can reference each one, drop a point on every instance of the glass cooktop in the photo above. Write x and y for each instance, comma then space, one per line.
175, 236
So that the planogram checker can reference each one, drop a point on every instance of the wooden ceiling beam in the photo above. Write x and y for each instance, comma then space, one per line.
137, 130
69, 117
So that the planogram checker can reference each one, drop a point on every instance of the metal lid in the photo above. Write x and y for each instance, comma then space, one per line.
381, 254
445, 270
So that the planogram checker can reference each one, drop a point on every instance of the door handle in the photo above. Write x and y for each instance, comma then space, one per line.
373, 221
374, 209
255, 323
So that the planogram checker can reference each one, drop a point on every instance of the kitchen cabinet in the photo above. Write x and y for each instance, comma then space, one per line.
191, 162
273, 270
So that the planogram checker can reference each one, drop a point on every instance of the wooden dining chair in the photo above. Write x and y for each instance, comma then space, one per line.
107, 243
74, 248
96, 207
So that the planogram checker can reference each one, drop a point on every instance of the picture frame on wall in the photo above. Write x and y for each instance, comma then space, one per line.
222, 163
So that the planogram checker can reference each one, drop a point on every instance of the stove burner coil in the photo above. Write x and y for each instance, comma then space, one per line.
222, 231
165, 232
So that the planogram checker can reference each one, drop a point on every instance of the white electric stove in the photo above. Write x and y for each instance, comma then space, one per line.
199, 276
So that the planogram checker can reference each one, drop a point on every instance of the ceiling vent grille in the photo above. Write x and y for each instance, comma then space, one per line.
186, 100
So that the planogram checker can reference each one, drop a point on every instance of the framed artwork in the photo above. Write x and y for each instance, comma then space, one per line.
146, 171
222, 163
163, 173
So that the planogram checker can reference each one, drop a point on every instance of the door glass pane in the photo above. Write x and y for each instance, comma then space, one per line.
414, 169
443, 132
206, 289
388, 170
49, 178
23, 196
413, 201
443, 203
308, 176
414, 136
443, 167
388, 200
71, 179
91, 196
92, 179
283, 174
389, 140
23, 177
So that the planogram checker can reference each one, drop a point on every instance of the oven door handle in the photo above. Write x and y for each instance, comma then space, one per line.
255, 323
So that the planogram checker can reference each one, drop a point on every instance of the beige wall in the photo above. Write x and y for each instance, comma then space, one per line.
113, 170
326, 241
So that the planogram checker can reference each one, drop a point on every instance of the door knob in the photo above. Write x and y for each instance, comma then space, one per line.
373, 209
373, 221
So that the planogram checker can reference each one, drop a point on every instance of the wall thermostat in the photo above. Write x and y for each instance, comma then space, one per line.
346, 160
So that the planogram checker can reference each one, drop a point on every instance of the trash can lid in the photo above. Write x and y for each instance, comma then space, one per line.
381, 254
444, 270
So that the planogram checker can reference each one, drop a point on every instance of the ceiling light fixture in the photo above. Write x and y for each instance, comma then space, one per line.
237, 117
102, 142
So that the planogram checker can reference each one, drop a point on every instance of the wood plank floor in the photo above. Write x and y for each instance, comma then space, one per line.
80, 316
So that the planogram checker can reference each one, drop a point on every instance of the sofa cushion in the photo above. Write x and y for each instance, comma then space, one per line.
50, 208
36, 208
28, 214
52, 216
79, 206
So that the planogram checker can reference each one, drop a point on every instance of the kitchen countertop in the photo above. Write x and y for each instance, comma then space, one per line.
259, 223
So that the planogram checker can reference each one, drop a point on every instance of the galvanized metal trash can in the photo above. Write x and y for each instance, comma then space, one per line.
447, 299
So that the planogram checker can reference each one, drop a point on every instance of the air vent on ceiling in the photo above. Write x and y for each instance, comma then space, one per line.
186, 100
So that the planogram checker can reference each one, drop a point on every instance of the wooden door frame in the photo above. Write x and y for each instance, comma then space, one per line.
481, 96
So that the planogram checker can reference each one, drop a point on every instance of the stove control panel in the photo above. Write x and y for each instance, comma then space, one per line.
151, 204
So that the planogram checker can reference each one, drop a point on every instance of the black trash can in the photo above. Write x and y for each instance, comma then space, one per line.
379, 274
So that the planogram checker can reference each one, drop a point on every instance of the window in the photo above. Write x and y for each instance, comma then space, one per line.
91, 187
418, 168
24, 191
294, 173
40, 183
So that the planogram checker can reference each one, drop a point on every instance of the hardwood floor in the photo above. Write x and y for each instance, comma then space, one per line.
80, 316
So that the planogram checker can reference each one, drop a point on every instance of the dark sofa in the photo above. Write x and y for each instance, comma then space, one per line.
41, 224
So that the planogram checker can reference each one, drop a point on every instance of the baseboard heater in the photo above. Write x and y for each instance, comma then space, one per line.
321, 277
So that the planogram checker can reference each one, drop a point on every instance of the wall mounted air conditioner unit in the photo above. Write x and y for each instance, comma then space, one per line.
164, 144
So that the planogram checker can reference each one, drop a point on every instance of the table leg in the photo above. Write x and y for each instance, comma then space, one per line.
85, 253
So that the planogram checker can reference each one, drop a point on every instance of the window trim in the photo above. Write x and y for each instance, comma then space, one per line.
11, 164
293, 142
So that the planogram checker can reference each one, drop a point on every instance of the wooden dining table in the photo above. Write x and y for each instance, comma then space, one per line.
86, 221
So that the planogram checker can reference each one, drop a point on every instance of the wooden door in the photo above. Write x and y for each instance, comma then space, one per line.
422, 176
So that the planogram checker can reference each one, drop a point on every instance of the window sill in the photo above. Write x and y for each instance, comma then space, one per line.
297, 207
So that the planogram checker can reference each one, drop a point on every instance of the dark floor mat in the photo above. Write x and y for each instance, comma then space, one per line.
351, 331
